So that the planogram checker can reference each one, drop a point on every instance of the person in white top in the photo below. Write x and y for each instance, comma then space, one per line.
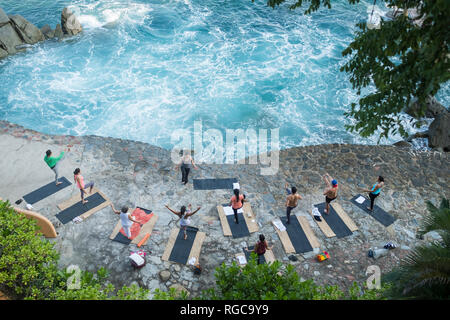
184, 215
126, 219
185, 163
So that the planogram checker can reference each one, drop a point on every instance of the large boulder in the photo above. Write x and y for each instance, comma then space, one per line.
28, 31
47, 32
439, 132
69, 23
432, 108
9, 39
58, 32
3, 53
3, 18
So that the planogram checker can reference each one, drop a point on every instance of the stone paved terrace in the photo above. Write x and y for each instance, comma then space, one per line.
138, 174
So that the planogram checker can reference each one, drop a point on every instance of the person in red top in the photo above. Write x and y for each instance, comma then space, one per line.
237, 202
260, 247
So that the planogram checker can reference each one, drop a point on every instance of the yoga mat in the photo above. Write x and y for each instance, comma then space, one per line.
238, 230
378, 214
122, 238
262, 259
78, 208
211, 184
182, 248
45, 191
296, 234
333, 220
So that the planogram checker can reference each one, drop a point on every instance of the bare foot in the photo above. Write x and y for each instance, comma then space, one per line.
185, 236
84, 201
58, 183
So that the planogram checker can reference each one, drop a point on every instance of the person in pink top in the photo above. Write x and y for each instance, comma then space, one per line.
79, 180
237, 202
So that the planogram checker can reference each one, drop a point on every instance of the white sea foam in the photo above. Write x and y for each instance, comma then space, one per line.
165, 64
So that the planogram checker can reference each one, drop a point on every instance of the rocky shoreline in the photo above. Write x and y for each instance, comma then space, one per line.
139, 174
16, 33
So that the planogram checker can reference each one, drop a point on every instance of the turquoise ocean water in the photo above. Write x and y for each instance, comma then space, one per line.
142, 69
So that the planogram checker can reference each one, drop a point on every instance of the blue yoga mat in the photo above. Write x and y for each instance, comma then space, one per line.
296, 235
79, 208
182, 248
238, 230
45, 191
211, 184
334, 221
378, 214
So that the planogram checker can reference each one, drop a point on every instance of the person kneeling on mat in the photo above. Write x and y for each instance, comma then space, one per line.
184, 215
330, 191
260, 247
126, 219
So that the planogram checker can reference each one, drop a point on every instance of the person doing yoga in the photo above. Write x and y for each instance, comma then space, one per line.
260, 247
184, 215
237, 202
375, 191
53, 162
330, 192
126, 219
79, 180
185, 164
291, 201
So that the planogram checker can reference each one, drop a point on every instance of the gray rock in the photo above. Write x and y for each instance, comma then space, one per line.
28, 31
9, 39
3, 53
432, 108
439, 132
164, 275
179, 288
402, 144
48, 32
268, 198
3, 18
58, 32
69, 23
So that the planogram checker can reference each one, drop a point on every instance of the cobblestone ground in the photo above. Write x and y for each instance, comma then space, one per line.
137, 174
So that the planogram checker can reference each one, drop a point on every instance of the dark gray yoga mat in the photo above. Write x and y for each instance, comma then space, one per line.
334, 221
296, 235
182, 248
240, 229
378, 214
121, 238
211, 184
45, 191
78, 208
248, 255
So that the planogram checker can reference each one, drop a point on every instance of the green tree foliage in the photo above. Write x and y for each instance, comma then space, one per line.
28, 266
400, 61
425, 272
27, 261
270, 282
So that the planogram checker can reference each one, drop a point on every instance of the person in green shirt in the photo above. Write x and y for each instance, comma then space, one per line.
53, 162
